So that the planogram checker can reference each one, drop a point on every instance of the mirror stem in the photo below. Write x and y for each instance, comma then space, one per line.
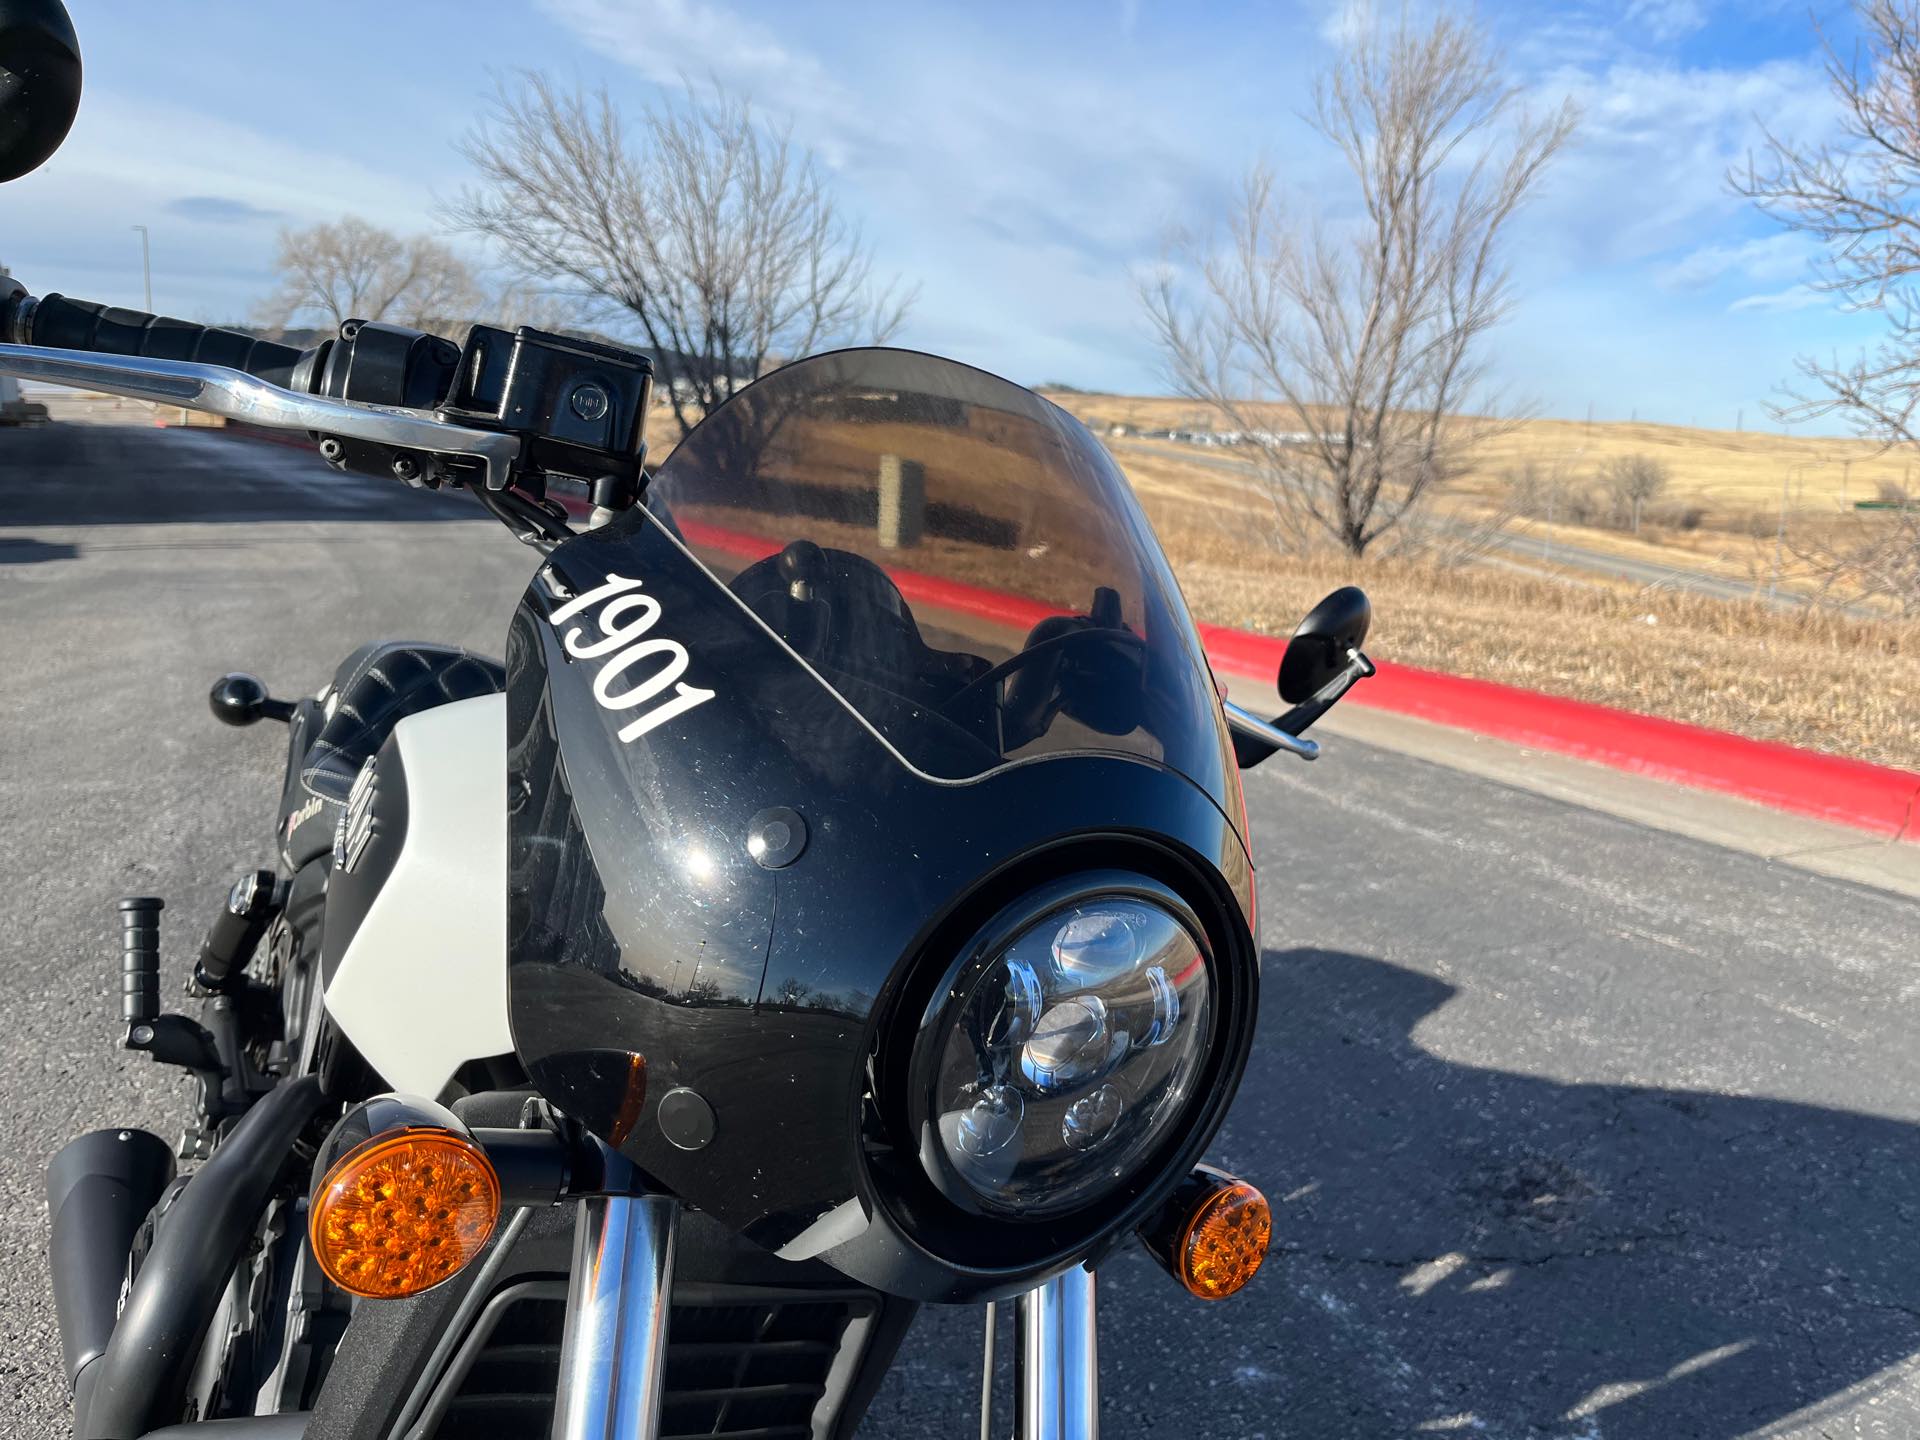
1304, 714
1254, 739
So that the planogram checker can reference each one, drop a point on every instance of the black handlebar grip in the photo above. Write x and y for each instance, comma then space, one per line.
140, 958
83, 325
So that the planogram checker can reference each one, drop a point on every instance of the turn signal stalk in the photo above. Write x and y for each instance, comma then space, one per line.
1212, 1234
406, 1199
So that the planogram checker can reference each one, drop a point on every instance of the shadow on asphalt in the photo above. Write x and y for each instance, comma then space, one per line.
1571, 1259
132, 475
26, 550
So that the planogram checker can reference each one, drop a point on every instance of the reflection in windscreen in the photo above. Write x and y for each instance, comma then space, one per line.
953, 554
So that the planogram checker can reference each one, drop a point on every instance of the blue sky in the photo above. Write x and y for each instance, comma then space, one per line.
1021, 162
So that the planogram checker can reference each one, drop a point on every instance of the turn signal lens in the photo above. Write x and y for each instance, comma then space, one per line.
1212, 1234
403, 1211
1226, 1239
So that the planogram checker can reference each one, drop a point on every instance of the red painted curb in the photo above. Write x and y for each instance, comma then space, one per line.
1878, 798
245, 431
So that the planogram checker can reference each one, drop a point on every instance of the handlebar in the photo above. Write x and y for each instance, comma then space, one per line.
501, 416
58, 323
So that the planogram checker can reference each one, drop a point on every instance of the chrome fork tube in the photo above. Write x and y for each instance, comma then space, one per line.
1057, 1372
614, 1347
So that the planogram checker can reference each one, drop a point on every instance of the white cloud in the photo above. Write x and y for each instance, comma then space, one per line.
1797, 297
1767, 258
1668, 19
1646, 172
1022, 186
128, 152
1347, 21
668, 41
664, 39
213, 224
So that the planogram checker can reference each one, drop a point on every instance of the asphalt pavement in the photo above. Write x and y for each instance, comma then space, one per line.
1573, 1127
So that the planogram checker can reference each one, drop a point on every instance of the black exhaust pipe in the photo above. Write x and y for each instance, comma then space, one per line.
99, 1190
141, 1380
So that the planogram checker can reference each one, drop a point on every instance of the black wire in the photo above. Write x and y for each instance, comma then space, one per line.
532, 523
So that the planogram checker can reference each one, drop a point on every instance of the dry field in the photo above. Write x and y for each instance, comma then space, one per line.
1734, 475
1195, 478
1808, 677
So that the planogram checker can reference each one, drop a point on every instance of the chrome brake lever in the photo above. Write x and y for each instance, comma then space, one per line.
217, 390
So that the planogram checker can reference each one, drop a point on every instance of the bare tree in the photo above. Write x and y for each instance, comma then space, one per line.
330, 273
520, 304
713, 234
1633, 480
1346, 354
1859, 195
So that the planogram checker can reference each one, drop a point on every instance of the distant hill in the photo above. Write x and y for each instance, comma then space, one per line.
1736, 475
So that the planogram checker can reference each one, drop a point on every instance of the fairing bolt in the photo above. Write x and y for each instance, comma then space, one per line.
776, 836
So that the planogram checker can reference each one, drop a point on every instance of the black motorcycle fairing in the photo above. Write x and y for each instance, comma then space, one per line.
640, 924
918, 608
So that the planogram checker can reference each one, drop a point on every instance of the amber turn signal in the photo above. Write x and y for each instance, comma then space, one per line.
404, 1210
1212, 1235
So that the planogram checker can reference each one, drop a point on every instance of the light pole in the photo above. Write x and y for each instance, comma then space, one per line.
146, 265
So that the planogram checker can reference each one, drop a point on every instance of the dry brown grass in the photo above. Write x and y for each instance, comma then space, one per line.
1734, 475
1807, 677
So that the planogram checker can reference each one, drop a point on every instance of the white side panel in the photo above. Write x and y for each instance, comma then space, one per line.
423, 986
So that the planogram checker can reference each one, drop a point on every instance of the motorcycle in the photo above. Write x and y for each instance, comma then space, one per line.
838, 900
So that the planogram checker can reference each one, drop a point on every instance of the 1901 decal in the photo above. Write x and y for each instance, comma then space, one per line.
625, 618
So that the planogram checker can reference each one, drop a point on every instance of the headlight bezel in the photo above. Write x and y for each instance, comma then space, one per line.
1013, 930
953, 1223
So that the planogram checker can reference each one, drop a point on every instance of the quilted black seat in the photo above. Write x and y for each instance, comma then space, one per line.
377, 687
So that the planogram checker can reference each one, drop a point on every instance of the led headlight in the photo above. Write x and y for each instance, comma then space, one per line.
1070, 1049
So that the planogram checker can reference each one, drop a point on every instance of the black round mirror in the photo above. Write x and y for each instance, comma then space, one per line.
1318, 650
39, 82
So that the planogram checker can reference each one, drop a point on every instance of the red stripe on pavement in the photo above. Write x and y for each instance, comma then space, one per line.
1805, 782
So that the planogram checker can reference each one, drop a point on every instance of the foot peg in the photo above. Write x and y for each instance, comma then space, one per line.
140, 958
239, 699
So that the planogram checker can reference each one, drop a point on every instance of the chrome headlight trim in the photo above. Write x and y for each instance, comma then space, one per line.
1039, 915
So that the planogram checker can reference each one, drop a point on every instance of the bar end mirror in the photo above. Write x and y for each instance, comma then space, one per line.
39, 82
1320, 664
1318, 651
